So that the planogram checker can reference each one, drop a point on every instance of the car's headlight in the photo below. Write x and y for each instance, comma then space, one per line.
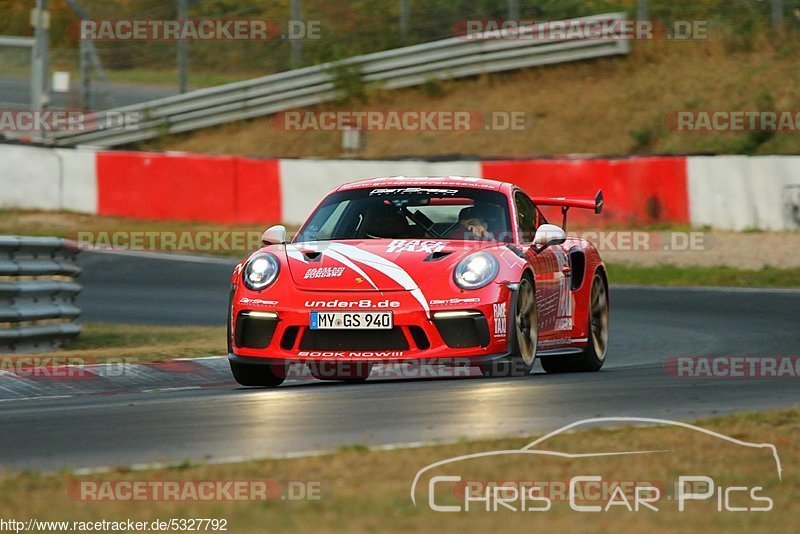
261, 270
476, 270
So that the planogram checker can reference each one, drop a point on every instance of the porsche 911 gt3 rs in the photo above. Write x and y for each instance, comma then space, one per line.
441, 270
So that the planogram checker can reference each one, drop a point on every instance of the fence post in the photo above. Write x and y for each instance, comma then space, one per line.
641, 10
777, 14
40, 20
86, 76
405, 15
183, 51
296, 44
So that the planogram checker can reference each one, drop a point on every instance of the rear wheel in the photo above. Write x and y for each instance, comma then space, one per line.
259, 375
593, 355
525, 331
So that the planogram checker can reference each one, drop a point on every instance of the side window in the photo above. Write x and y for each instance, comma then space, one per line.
540, 220
527, 217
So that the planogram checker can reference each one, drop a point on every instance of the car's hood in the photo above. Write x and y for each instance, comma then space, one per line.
374, 264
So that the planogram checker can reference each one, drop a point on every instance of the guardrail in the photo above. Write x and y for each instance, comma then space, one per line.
403, 67
37, 293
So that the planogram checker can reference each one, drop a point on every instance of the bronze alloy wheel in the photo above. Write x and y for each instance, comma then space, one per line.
592, 357
526, 325
599, 317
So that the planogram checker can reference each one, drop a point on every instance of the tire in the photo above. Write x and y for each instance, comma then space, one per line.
525, 336
259, 375
593, 355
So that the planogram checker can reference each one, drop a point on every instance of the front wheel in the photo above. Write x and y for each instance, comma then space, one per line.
525, 333
259, 375
593, 355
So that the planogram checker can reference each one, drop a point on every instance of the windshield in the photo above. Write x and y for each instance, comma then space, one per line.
409, 213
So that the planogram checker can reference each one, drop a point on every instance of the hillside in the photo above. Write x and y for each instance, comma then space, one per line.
608, 106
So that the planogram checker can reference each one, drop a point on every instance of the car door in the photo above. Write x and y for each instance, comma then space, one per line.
551, 268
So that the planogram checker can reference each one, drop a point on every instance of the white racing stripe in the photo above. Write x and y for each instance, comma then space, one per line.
384, 266
348, 254
346, 261
293, 252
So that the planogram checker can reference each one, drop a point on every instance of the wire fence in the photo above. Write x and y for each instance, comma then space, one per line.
346, 28
15, 66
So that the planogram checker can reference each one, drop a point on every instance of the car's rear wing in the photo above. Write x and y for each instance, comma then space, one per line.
595, 204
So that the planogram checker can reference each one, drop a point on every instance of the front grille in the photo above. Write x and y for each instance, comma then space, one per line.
289, 337
463, 332
420, 339
254, 332
354, 340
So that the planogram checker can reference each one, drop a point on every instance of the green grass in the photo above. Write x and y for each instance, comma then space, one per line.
369, 491
669, 275
145, 343
96, 230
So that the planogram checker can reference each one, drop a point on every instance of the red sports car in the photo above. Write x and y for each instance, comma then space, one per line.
443, 270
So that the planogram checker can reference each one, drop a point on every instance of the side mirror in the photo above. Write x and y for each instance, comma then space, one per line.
275, 235
548, 235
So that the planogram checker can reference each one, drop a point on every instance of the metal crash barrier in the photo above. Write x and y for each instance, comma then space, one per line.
37, 293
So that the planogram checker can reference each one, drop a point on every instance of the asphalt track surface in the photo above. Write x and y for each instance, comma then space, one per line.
229, 422
15, 93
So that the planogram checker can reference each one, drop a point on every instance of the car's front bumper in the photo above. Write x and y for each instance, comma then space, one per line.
266, 330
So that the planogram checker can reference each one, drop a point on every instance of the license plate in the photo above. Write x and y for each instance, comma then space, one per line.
351, 321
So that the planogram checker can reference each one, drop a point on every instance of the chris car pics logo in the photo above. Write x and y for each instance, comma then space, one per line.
459, 484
